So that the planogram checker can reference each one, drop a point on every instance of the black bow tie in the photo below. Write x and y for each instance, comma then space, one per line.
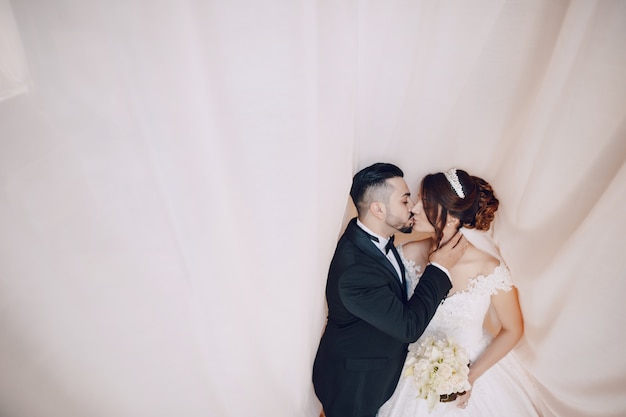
389, 244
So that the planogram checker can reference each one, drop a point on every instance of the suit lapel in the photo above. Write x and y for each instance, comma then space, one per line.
363, 241
402, 270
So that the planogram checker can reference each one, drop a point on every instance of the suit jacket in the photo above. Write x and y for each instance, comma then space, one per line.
370, 324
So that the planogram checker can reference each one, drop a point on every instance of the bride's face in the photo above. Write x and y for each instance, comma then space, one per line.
421, 223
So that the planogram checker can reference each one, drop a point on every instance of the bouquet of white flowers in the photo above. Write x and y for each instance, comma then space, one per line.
439, 369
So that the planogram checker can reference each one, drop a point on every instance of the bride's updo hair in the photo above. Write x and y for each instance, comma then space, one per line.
476, 210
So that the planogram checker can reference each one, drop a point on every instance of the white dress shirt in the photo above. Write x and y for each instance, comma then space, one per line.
382, 242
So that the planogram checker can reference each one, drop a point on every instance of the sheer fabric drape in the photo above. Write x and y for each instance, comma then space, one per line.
13, 73
175, 179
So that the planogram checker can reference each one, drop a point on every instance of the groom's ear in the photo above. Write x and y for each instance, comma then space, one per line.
378, 209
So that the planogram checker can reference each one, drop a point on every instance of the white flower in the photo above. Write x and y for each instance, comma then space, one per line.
437, 367
445, 371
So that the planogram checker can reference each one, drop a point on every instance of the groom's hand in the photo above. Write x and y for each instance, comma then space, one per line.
450, 253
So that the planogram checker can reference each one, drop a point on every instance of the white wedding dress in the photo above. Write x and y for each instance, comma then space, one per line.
505, 390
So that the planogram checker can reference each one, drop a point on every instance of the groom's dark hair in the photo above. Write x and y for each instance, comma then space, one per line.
372, 178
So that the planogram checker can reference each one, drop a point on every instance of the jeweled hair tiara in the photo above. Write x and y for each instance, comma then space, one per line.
453, 179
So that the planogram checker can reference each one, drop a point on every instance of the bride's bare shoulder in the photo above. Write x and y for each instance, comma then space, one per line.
483, 262
417, 250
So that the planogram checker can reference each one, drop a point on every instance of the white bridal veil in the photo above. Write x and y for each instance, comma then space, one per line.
175, 176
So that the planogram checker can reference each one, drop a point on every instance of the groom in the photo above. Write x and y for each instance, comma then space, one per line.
370, 321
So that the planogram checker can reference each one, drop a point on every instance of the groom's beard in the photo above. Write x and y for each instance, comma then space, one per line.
407, 229
404, 227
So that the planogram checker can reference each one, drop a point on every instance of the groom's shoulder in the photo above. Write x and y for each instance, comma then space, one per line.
352, 239
350, 253
346, 245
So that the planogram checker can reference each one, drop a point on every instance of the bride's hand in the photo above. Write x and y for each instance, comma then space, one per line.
461, 400
449, 253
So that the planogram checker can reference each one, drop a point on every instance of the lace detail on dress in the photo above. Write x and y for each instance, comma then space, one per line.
499, 279
461, 314
413, 272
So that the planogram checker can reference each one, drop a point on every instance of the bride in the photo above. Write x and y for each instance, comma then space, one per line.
482, 288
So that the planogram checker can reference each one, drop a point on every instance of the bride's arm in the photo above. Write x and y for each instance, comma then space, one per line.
507, 308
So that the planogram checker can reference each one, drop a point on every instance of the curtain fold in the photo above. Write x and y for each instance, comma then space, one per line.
14, 78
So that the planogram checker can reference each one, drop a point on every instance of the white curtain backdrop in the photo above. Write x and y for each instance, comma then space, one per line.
175, 176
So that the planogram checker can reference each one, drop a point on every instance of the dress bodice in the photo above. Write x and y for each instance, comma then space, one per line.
461, 315
505, 388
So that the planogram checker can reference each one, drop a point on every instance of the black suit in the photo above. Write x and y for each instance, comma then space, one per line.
370, 324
